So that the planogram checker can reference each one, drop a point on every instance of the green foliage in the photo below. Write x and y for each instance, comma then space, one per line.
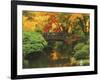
81, 54
25, 63
60, 47
81, 51
33, 42
85, 62
78, 46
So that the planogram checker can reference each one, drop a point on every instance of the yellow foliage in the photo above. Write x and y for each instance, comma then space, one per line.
74, 19
75, 16
88, 26
69, 29
39, 20
29, 25
54, 26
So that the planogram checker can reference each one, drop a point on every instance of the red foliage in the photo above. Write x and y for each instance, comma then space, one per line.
48, 27
57, 29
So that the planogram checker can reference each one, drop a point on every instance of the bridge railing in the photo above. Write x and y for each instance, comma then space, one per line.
55, 36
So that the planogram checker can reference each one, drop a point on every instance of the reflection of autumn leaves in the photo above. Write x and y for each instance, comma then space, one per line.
55, 55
